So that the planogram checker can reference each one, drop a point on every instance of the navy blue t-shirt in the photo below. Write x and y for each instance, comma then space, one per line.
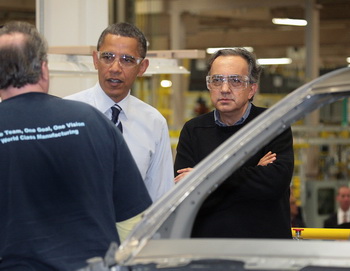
66, 178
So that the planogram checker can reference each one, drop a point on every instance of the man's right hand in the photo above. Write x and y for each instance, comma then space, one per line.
267, 159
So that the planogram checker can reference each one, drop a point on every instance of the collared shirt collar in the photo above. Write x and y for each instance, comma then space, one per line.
341, 214
104, 102
244, 117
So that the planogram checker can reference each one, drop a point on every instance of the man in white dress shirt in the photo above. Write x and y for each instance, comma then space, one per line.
119, 60
340, 219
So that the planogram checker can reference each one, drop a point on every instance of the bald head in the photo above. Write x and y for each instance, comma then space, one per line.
11, 39
22, 53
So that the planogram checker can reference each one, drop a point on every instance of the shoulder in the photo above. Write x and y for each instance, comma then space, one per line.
77, 106
83, 96
333, 216
94, 121
331, 220
256, 110
145, 110
204, 120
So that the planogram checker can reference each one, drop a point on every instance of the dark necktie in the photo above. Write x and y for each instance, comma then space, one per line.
115, 116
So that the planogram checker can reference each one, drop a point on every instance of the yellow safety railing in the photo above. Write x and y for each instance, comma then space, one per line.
321, 233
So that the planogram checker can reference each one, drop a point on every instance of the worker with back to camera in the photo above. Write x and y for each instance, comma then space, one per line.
66, 174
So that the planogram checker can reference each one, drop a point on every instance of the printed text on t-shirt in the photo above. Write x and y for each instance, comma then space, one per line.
40, 133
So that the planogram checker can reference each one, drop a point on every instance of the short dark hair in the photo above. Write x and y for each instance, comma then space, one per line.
253, 67
125, 30
21, 65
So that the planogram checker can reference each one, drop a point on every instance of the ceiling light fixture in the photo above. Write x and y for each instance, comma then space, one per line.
274, 61
213, 50
166, 83
164, 66
287, 21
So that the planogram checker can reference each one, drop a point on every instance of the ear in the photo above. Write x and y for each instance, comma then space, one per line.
95, 59
253, 90
45, 71
143, 67
45, 77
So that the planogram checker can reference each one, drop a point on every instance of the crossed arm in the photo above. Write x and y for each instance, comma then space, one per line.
268, 158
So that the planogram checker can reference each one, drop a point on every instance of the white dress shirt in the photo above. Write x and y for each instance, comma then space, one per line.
341, 215
146, 133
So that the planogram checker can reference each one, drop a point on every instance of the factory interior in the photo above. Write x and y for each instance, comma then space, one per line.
180, 35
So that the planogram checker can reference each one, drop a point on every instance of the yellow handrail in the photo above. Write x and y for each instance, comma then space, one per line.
320, 233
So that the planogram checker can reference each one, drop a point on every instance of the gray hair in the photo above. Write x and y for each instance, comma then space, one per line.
254, 68
125, 30
21, 64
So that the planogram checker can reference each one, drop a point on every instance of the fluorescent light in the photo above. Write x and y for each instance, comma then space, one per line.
286, 21
348, 59
164, 66
166, 83
274, 61
213, 50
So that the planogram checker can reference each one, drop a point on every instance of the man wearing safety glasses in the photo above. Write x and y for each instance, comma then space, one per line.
120, 58
254, 201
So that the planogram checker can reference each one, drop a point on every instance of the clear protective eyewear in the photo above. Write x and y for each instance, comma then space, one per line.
235, 81
127, 61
